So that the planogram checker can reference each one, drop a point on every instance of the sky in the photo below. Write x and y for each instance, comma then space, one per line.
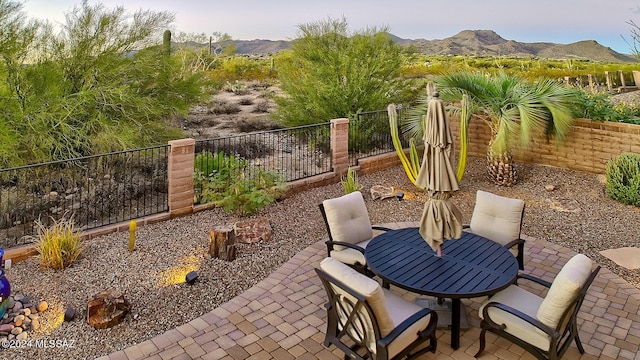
556, 21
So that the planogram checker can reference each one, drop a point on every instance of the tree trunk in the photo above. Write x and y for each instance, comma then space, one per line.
222, 243
501, 169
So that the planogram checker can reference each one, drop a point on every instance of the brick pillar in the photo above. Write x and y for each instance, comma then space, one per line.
181, 161
340, 145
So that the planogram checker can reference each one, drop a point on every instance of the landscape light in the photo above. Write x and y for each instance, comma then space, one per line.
191, 277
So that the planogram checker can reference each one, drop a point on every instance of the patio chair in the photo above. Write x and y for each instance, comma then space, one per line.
499, 218
545, 327
366, 321
349, 229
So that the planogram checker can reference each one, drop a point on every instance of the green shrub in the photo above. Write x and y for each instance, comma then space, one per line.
231, 183
59, 244
623, 178
350, 182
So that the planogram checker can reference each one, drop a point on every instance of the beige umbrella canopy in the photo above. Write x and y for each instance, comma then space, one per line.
440, 218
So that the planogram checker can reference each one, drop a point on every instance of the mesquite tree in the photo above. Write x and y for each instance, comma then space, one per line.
97, 83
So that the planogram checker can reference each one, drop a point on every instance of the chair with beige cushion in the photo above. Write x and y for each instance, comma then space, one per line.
547, 326
366, 321
349, 229
499, 218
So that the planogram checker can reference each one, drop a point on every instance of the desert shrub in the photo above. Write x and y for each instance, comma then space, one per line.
350, 183
623, 178
58, 244
330, 72
231, 183
261, 107
224, 107
246, 101
256, 124
236, 87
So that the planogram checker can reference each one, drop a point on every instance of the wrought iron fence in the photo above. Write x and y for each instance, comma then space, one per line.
95, 191
370, 135
292, 153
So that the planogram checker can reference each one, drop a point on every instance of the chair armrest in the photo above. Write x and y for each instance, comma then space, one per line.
513, 243
535, 322
346, 244
534, 279
385, 341
381, 228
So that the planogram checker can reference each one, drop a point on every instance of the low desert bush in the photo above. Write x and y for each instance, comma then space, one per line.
350, 182
623, 178
231, 183
261, 107
223, 107
246, 101
58, 244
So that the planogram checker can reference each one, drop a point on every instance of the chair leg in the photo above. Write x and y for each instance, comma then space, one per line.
520, 256
482, 343
577, 339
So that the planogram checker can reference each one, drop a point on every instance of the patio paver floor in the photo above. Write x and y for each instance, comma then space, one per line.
283, 317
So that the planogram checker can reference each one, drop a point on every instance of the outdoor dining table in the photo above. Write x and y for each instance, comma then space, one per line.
471, 266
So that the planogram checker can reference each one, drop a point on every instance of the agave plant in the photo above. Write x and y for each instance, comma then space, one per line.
513, 108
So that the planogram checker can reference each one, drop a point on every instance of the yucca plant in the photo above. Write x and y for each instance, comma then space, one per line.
59, 244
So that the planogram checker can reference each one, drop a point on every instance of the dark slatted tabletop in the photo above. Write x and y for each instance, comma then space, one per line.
471, 266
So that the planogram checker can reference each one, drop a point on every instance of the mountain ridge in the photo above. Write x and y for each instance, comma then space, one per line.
474, 42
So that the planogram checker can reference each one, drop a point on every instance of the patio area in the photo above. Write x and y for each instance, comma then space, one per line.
283, 317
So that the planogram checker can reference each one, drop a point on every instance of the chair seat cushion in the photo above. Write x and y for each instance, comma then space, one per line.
350, 256
564, 289
400, 310
522, 301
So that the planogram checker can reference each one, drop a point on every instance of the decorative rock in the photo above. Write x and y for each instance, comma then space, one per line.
253, 231
42, 306
381, 192
107, 309
69, 314
6, 327
26, 311
16, 308
18, 320
22, 336
18, 297
35, 324
16, 330
549, 187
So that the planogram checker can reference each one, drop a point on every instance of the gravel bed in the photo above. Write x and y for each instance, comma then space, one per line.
176, 246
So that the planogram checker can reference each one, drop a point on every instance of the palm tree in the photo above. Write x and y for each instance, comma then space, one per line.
512, 107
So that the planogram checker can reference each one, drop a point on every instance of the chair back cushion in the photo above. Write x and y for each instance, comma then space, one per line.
348, 219
496, 217
564, 290
365, 286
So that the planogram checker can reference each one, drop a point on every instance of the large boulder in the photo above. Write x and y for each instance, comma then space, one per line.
107, 309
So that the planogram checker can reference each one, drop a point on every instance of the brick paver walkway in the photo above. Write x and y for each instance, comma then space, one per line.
282, 317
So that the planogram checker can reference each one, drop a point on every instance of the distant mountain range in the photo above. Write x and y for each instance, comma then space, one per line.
475, 42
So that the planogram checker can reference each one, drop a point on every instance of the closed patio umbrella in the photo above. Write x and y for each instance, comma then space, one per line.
440, 218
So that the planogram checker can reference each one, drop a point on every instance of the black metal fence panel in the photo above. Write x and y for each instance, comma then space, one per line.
94, 191
370, 134
292, 153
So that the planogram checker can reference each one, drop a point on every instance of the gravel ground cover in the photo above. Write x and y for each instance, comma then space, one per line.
166, 251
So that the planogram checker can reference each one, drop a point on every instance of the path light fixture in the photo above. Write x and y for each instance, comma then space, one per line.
191, 277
